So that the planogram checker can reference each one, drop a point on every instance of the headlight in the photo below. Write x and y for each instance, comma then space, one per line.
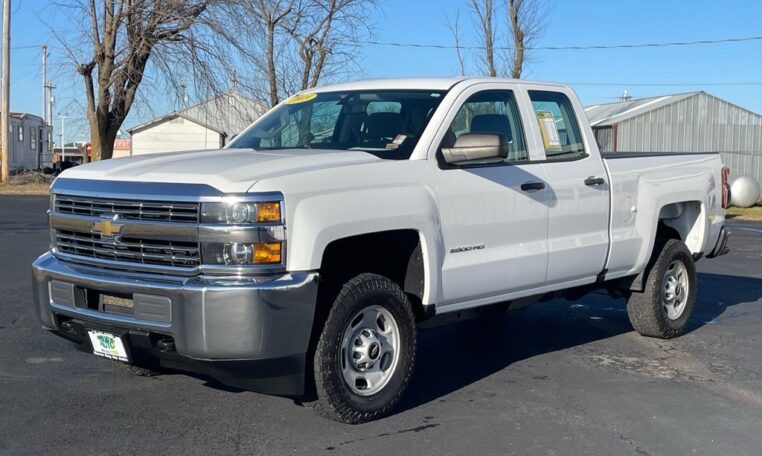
241, 212
243, 233
243, 253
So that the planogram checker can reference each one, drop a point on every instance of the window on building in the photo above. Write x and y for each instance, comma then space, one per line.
32, 138
20, 130
50, 140
558, 125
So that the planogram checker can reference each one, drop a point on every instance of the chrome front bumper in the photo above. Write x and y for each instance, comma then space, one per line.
208, 320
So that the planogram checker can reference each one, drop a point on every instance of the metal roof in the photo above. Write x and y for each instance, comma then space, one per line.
604, 115
228, 114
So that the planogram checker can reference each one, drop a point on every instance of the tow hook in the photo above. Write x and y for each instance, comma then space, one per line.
166, 345
68, 327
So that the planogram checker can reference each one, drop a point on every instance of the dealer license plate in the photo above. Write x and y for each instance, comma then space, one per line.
108, 345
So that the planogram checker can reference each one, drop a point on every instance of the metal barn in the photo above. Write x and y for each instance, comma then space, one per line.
687, 122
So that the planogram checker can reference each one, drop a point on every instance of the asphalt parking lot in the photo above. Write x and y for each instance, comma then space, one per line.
558, 378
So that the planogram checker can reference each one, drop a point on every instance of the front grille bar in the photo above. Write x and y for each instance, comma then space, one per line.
129, 250
127, 209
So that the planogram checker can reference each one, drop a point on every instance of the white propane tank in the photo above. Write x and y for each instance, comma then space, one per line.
744, 191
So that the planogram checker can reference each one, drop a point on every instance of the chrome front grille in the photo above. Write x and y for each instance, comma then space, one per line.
129, 250
154, 211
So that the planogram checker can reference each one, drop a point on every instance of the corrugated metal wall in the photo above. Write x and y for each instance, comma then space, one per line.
701, 123
744, 164
605, 139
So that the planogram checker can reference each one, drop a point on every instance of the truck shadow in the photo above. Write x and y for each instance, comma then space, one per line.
454, 356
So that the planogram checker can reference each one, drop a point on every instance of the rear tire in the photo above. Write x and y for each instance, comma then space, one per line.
665, 306
366, 351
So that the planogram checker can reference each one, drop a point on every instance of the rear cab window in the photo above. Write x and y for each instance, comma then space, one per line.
561, 135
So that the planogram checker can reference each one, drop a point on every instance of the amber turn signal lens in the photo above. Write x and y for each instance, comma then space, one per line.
267, 253
268, 212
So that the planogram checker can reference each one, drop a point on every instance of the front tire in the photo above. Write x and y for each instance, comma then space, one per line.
366, 351
669, 296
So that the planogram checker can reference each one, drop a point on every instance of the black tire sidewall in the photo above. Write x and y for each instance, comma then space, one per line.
674, 250
363, 291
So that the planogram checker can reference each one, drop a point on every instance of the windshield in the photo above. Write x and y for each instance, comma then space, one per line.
385, 123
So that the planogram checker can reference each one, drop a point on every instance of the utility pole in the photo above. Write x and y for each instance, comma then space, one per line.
183, 95
6, 92
45, 83
63, 138
51, 100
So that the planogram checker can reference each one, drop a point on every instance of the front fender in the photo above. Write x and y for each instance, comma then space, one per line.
321, 218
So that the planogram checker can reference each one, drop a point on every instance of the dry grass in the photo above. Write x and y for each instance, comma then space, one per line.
745, 213
27, 183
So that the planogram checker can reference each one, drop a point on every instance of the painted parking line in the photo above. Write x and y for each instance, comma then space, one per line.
753, 230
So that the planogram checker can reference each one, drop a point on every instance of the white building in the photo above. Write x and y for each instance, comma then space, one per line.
208, 125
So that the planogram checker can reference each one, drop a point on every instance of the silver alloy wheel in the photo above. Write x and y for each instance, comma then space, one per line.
370, 350
675, 286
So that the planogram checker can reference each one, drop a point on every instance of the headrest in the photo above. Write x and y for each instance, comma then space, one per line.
492, 123
383, 125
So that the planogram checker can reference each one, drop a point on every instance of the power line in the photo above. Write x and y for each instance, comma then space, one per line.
560, 48
663, 84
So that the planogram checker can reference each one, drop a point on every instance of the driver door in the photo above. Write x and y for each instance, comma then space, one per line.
494, 216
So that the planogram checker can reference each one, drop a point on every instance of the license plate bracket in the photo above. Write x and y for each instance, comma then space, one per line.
108, 345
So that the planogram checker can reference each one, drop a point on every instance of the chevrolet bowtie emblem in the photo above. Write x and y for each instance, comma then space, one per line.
108, 226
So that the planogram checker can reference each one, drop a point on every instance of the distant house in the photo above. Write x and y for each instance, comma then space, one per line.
30, 142
207, 125
122, 147
686, 122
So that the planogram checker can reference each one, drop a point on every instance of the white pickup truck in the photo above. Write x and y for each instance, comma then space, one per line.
303, 257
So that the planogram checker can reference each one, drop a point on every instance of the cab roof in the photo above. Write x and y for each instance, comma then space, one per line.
435, 83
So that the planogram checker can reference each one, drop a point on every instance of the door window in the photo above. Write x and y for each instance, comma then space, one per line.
558, 125
491, 111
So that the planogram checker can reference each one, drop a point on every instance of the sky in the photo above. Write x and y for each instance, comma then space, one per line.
732, 71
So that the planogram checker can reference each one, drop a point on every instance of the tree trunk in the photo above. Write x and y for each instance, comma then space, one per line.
514, 9
271, 76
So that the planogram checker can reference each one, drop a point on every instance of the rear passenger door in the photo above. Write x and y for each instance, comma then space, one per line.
577, 191
494, 225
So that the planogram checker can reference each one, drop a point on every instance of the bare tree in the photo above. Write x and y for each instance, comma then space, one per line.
121, 39
485, 11
319, 28
454, 26
271, 14
526, 23
306, 41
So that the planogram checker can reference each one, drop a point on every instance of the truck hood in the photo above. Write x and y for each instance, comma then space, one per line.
228, 170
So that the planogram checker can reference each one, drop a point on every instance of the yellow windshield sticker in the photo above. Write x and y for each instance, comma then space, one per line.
549, 130
301, 98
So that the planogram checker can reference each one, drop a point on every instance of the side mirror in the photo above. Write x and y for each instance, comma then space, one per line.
476, 146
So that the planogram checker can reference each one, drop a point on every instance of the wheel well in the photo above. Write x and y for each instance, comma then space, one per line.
682, 221
395, 254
